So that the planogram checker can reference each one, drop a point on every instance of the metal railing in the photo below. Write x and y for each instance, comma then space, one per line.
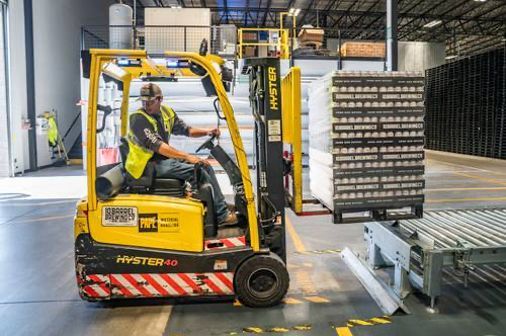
222, 40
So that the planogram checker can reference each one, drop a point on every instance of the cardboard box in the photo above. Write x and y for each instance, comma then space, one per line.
363, 49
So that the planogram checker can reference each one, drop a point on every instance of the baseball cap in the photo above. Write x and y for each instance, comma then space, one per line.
150, 91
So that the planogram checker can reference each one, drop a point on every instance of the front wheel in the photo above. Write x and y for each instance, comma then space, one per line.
261, 281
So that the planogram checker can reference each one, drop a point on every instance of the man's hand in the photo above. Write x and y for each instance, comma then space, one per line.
215, 131
195, 159
200, 132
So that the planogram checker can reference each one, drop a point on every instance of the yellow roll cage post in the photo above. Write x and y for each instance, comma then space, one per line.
105, 61
291, 104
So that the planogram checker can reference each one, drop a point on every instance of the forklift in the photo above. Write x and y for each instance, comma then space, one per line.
155, 237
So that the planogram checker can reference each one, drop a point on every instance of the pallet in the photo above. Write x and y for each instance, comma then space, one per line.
362, 215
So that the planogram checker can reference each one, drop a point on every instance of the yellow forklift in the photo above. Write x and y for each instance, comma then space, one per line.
152, 237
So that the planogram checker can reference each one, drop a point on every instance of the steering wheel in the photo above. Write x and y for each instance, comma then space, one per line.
208, 144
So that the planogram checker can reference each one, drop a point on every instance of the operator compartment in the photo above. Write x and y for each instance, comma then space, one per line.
147, 211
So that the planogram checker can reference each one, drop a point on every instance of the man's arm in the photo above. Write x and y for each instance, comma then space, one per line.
181, 128
145, 134
170, 152
200, 132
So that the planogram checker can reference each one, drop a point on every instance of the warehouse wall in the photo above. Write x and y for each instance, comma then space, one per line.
18, 108
4, 144
420, 56
57, 25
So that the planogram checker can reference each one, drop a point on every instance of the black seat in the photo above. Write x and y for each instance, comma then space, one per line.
148, 182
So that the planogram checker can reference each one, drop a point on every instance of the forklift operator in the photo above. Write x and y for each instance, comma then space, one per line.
148, 138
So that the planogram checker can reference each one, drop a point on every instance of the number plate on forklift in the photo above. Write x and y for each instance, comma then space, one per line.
119, 216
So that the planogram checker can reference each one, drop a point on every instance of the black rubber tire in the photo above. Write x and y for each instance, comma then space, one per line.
261, 281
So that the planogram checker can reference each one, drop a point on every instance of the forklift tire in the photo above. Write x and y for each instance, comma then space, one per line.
261, 281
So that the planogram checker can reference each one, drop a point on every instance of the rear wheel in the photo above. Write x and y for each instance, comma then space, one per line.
261, 281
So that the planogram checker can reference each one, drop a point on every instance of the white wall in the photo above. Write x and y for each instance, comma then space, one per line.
18, 100
57, 25
4, 143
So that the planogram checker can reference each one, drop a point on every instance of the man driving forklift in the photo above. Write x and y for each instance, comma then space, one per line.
148, 139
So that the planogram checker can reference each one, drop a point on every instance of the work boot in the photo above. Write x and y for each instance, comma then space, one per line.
231, 219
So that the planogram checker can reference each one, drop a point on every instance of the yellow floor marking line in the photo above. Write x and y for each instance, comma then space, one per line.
278, 330
463, 189
451, 200
316, 299
461, 166
303, 327
297, 242
381, 320
42, 219
346, 331
327, 251
352, 323
304, 282
485, 179
291, 301
253, 330
343, 331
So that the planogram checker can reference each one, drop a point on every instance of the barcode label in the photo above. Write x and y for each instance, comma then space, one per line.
119, 216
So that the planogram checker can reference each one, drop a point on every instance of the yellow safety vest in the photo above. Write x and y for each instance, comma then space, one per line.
138, 155
52, 132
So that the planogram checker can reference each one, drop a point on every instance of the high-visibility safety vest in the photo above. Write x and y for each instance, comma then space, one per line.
138, 155
52, 132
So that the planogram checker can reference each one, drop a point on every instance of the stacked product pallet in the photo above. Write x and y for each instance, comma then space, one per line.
366, 156
466, 105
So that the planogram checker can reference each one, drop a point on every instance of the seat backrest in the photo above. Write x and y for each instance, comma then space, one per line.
123, 150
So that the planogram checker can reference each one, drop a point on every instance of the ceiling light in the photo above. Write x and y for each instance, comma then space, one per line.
480, 0
432, 24
294, 11
450, 57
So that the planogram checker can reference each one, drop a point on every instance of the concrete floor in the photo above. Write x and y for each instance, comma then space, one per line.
38, 294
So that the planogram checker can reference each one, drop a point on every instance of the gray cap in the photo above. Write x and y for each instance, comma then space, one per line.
150, 91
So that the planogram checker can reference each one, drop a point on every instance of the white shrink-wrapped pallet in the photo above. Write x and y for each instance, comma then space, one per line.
366, 139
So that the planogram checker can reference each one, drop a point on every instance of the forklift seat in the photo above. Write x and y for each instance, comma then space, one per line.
148, 182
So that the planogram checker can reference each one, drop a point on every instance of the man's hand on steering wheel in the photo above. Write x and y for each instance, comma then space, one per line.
195, 159
215, 131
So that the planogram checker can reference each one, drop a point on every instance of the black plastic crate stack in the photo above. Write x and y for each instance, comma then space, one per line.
367, 144
465, 102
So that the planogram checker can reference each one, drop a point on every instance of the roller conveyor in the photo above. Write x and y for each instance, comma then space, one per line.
421, 249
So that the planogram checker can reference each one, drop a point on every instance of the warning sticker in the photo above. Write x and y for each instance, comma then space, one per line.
274, 127
169, 223
119, 216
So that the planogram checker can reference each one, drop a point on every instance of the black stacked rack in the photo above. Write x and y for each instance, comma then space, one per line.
465, 105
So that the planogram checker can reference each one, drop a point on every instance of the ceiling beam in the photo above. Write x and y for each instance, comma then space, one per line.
476, 23
306, 11
409, 31
267, 10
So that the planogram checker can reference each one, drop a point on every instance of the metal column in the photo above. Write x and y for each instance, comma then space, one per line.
391, 35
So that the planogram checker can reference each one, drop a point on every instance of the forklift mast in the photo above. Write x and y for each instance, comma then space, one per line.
265, 100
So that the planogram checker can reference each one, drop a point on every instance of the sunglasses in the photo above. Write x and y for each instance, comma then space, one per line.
155, 99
